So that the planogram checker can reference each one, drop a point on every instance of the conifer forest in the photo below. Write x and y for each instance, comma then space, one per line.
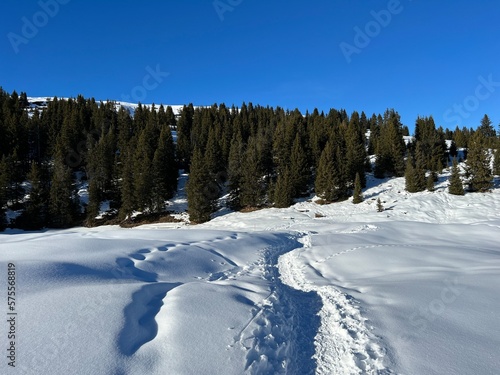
253, 156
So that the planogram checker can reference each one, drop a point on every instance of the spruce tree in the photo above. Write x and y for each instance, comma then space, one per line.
200, 194
488, 131
390, 147
127, 187
356, 156
63, 205
299, 169
252, 189
4, 181
3, 188
36, 208
380, 206
478, 164
420, 167
323, 185
455, 186
143, 179
283, 190
164, 170
3, 219
430, 182
357, 195
236, 154
410, 180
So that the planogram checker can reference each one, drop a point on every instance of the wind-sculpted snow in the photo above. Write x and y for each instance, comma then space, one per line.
160, 301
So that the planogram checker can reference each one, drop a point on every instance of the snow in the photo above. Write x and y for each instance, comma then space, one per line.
332, 289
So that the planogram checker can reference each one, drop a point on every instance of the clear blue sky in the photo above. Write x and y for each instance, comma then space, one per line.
429, 57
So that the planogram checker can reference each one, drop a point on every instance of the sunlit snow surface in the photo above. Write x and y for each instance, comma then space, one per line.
336, 289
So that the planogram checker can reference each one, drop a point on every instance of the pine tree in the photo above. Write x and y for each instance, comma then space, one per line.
410, 180
36, 208
355, 151
357, 195
324, 175
127, 188
184, 128
283, 191
236, 154
4, 181
164, 170
380, 206
63, 206
143, 179
252, 189
420, 167
299, 169
478, 164
390, 147
488, 131
430, 182
3, 188
200, 194
455, 186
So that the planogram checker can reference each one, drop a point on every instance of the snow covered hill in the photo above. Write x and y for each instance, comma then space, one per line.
41, 103
333, 289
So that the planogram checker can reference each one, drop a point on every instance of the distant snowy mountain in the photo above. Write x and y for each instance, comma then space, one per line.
42, 102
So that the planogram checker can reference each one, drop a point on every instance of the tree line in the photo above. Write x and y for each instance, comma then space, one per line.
253, 156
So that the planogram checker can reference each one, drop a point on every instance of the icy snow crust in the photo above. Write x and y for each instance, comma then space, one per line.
336, 289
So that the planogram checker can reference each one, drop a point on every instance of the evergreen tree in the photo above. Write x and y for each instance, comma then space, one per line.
94, 205
411, 185
236, 155
164, 170
430, 182
420, 167
143, 178
184, 128
201, 197
283, 191
299, 169
488, 131
36, 208
380, 206
496, 160
127, 188
478, 164
357, 195
252, 189
63, 206
455, 186
3, 219
4, 181
325, 175
390, 147
355, 151
3, 195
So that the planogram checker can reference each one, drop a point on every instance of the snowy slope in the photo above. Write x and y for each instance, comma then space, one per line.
42, 102
336, 289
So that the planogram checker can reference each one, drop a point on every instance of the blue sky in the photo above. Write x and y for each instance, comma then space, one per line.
420, 57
